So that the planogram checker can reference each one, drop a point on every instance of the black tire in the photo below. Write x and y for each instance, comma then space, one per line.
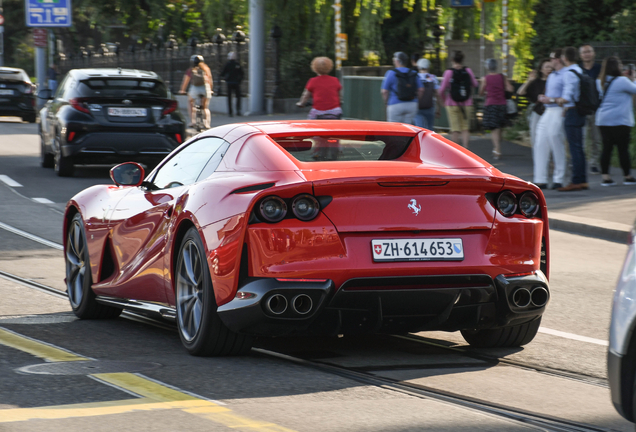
31, 118
46, 159
201, 330
63, 165
504, 337
78, 276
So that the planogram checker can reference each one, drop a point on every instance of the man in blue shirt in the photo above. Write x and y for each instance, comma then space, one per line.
400, 110
591, 132
550, 134
574, 122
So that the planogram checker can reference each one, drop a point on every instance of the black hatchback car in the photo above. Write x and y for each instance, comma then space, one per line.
106, 116
17, 97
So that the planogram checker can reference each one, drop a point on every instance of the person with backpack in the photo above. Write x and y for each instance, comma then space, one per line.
456, 91
401, 89
232, 74
615, 117
495, 86
427, 104
580, 98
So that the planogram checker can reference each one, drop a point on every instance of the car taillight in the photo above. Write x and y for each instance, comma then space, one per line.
171, 105
507, 203
29, 88
79, 104
529, 204
305, 207
70, 137
178, 138
273, 209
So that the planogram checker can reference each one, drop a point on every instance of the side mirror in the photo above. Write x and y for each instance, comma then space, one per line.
45, 94
127, 174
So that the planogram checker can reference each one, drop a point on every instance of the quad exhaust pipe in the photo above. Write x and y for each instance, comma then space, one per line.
522, 297
302, 304
539, 297
277, 304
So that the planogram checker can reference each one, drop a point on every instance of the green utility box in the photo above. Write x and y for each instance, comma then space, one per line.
362, 100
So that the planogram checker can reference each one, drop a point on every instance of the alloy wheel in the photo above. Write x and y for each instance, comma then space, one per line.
190, 291
75, 264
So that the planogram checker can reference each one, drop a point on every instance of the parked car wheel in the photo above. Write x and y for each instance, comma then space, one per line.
511, 336
201, 330
31, 118
78, 276
46, 159
63, 165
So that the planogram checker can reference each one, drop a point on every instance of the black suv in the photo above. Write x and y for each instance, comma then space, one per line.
16, 94
106, 116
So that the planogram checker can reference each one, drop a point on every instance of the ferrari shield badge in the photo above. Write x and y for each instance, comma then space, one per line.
413, 205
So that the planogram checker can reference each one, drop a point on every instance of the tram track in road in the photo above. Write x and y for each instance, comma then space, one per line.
515, 415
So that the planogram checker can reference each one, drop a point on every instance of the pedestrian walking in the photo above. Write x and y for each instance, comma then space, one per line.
401, 89
615, 117
232, 74
531, 89
324, 89
456, 90
494, 85
427, 104
574, 120
591, 133
550, 131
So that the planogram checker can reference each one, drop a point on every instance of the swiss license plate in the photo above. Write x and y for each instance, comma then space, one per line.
431, 249
5, 92
127, 112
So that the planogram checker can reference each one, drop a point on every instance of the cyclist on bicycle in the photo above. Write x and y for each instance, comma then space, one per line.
324, 89
200, 77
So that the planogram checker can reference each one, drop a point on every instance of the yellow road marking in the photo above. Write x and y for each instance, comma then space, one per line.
38, 349
154, 395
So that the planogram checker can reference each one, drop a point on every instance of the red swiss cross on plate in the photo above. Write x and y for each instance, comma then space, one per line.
377, 249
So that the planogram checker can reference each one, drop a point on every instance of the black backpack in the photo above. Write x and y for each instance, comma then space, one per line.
406, 85
461, 85
426, 101
589, 99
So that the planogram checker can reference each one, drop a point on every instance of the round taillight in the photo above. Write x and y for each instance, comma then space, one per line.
273, 209
305, 207
529, 204
507, 203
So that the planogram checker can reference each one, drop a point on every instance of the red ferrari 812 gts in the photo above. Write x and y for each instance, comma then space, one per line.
313, 227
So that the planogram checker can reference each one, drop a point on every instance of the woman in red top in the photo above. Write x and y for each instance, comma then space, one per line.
325, 91
495, 85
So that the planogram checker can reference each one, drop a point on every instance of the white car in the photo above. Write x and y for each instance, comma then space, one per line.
621, 356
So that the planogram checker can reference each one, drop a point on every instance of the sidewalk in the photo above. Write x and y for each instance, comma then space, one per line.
606, 213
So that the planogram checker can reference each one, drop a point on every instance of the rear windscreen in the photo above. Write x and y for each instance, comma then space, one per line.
122, 88
10, 75
345, 148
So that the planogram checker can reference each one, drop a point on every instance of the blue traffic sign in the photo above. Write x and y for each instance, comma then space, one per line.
48, 13
462, 3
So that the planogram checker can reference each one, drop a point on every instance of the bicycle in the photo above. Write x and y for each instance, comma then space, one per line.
199, 115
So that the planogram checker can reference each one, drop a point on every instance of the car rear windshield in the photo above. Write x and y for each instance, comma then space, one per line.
345, 148
17, 75
109, 87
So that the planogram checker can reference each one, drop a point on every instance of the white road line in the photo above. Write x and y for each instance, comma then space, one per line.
43, 200
31, 236
9, 181
573, 336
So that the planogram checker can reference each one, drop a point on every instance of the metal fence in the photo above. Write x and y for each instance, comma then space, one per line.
627, 53
172, 63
